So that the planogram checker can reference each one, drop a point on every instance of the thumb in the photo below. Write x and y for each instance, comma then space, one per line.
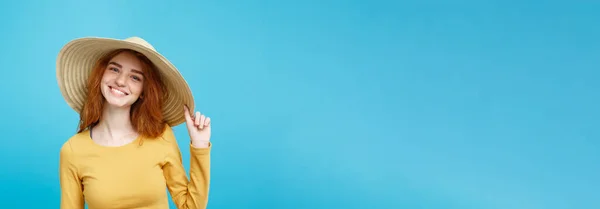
186, 112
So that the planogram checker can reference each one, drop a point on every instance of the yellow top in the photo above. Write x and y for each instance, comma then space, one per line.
132, 176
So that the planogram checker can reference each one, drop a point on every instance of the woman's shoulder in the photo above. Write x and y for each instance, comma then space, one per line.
79, 137
165, 140
76, 142
168, 134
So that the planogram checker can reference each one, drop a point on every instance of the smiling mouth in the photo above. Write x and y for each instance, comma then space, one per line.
118, 92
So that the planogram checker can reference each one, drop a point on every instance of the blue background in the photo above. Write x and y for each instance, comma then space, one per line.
338, 104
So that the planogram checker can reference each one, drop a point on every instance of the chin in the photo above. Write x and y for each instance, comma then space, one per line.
118, 104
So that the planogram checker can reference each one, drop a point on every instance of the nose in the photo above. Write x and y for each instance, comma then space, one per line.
121, 79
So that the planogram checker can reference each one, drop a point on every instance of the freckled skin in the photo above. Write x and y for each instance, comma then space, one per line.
123, 73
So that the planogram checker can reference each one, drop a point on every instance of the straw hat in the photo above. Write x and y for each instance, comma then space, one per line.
77, 58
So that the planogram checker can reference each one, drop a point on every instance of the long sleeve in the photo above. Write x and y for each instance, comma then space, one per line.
70, 183
192, 194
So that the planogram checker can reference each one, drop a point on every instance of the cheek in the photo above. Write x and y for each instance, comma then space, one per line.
137, 88
107, 76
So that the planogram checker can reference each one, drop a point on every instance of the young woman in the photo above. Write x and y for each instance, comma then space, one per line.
124, 154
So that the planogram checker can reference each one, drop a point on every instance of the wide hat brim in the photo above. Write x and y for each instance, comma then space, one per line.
77, 58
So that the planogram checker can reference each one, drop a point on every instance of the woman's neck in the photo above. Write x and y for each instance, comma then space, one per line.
115, 124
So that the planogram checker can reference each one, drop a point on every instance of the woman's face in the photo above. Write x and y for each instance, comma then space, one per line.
123, 80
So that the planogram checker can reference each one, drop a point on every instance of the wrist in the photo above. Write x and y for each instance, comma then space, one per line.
200, 144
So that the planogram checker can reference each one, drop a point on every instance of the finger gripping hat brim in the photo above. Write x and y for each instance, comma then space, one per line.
77, 58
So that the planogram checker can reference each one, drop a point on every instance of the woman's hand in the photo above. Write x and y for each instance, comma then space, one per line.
198, 126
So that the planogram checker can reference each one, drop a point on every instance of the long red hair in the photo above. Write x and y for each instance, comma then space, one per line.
146, 112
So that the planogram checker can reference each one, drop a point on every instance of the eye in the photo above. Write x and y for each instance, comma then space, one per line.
137, 78
113, 69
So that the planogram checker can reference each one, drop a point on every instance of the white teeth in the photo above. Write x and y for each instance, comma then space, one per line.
117, 91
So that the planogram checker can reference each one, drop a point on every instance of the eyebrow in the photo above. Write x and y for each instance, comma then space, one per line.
114, 63
121, 66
